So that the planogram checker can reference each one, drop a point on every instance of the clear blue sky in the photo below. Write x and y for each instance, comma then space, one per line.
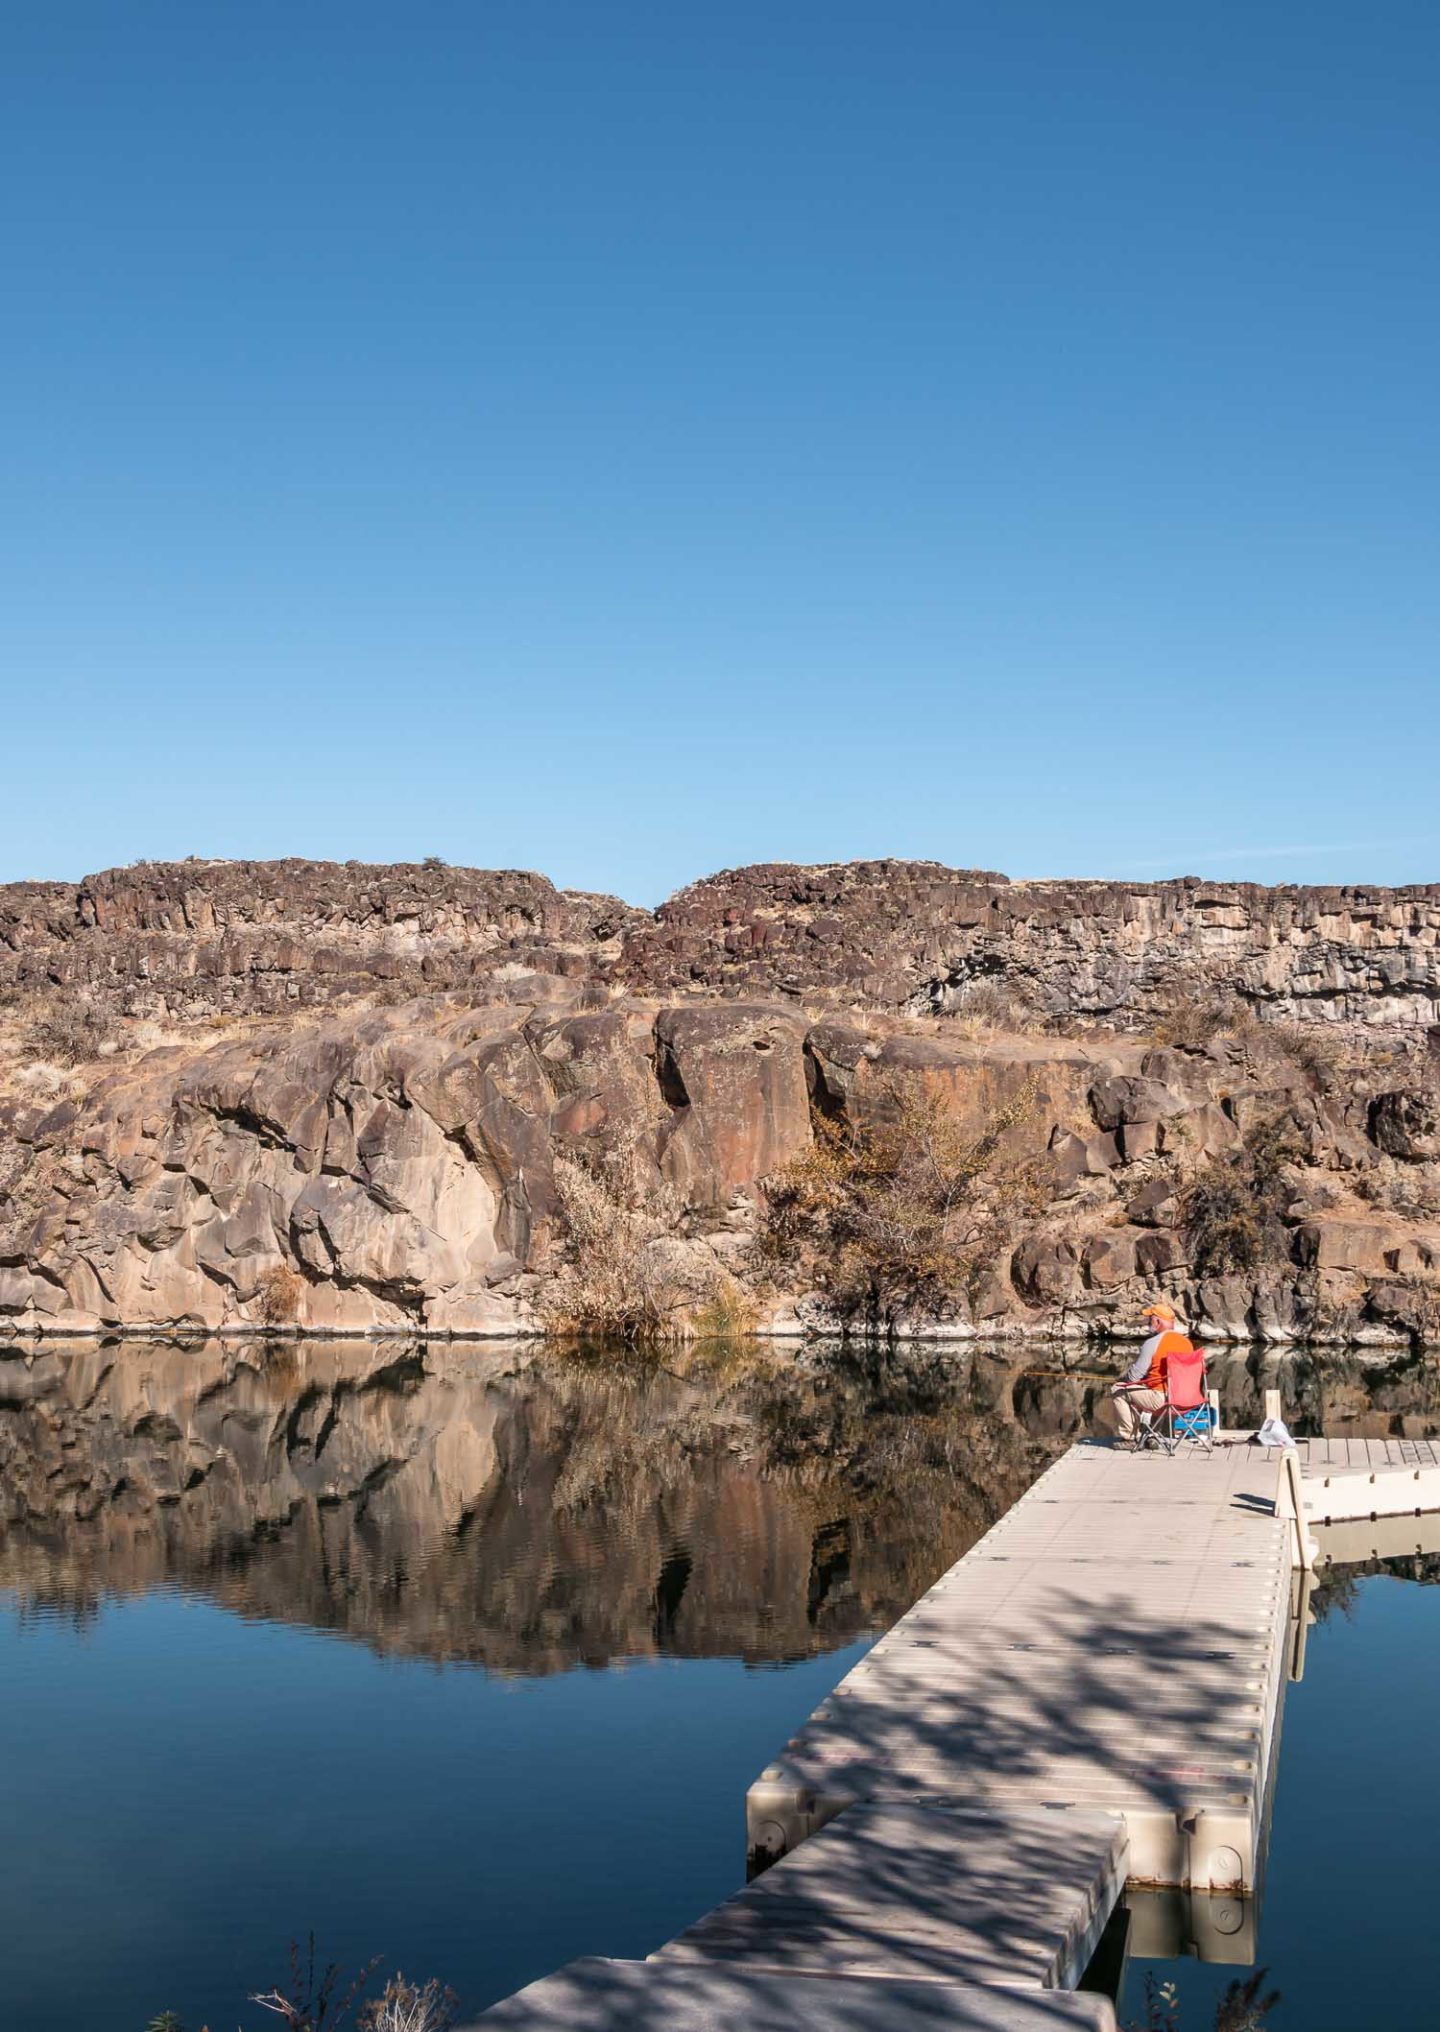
633, 439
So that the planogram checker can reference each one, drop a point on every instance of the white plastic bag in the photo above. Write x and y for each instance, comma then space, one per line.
1274, 1433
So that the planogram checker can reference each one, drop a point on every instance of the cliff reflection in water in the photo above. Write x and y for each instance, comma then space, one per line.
530, 1511
526, 1511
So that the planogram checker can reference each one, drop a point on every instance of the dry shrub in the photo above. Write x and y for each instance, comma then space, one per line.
614, 1282
410, 2007
1319, 1054
1192, 1009
986, 1007
1233, 1209
277, 1298
904, 1208
65, 1030
729, 1314
1410, 1190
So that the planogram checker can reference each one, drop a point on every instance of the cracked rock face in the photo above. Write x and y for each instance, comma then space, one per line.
248, 936
908, 934
396, 1168
369, 1078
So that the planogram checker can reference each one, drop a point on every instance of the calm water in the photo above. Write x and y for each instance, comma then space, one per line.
465, 1657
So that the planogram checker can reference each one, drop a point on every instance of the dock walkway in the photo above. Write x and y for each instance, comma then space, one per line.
1091, 1696
1115, 1643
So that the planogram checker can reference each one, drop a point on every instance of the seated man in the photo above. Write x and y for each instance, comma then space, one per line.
1142, 1387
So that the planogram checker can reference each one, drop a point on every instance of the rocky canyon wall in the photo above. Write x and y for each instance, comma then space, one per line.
245, 936
354, 1099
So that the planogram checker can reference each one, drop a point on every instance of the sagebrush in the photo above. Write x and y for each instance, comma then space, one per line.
615, 1279
1233, 1210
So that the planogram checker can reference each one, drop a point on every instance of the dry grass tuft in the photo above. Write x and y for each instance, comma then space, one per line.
615, 1280
277, 1300
989, 1009
65, 1030
1319, 1054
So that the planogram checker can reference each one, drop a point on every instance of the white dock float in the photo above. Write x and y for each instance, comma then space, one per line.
1352, 1479
1356, 1541
1115, 1643
1014, 1898
655, 1996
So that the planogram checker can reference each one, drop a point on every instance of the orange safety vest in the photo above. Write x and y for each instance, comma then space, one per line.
1170, 1343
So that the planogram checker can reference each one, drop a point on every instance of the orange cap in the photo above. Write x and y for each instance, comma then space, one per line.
1159, 1310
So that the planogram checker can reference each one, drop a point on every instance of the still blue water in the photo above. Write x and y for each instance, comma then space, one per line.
1347, 1920
185, 1788
465, 1661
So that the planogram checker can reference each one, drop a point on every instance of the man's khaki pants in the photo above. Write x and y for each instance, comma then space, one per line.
1129, 1403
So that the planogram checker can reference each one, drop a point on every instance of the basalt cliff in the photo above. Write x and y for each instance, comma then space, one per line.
448, 1101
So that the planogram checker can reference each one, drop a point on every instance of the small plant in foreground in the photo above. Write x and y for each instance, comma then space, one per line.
410, 2007
311, 2002
1242, 2008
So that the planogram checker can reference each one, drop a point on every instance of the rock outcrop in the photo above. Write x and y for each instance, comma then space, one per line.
249, 936
241, 937
916, 935
349, 1100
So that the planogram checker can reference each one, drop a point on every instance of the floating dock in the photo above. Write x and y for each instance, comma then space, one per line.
1352, 1479
1091, 1696
1011, 1898
1115, 1643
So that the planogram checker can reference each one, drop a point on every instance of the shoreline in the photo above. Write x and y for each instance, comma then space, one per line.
243, 1331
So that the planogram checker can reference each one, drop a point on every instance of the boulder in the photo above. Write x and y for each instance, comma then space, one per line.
1336, 1243
835, 1054
734, 1080
1156, 1204
1045, 1270
1122, 1100
1109, 1259
1406, 1125
1078, 1157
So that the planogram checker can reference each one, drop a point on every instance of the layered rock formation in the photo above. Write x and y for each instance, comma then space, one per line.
245, 936
200, 937
378, 1158
907, 934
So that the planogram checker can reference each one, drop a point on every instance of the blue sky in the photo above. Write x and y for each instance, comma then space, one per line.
634, 439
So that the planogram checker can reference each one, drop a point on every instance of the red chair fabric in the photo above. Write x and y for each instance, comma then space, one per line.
1186, 1381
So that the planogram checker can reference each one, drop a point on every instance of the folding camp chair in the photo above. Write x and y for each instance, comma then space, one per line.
1184, 1419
